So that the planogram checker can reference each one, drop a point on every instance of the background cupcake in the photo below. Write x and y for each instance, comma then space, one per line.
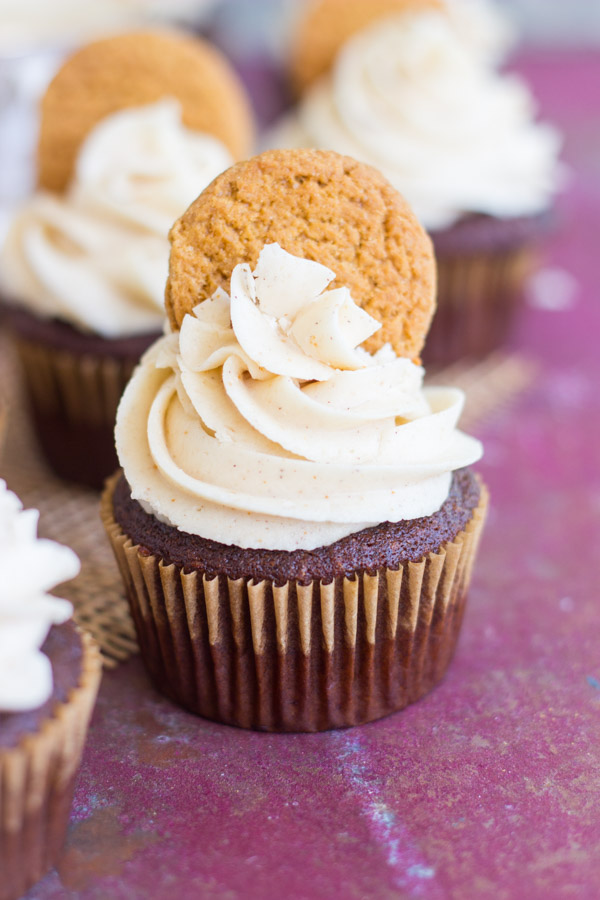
294, 534
417, 95
325, 26
35, 23
49, 675
131, 128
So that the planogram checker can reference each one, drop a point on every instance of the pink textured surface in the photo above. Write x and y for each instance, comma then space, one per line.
488, 788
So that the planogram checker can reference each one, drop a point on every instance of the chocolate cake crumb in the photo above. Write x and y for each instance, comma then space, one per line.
388, 545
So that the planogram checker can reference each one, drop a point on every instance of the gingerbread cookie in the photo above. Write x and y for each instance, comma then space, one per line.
132, 70
328, 24
321, 206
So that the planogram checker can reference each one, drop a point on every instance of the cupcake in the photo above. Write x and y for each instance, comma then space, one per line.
49, 676
417, 95
132, 127
295, 521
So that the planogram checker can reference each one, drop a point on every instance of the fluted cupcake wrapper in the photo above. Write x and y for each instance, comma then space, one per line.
478, 296
297, 657
74, 399
36, 784
3, 419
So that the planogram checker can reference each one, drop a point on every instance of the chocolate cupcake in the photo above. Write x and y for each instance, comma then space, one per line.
132, 127
294, 544
74, 381
483, 264
417, 94
301, 640
49, 675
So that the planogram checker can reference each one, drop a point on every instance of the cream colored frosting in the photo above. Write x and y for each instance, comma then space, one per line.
483, 27
450, 132
30, 567
263, 423
98, 257
26, 23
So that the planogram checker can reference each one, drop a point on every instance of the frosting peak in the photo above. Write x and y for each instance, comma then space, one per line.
142, 167
483, 27
289, 324
30, 568
267, 425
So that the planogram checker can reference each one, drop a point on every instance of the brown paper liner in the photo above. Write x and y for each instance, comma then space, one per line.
3, 419
478, 296
74, 399
36, 785
297, 657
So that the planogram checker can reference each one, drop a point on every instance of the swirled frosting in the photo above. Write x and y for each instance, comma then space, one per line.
98, 257
30, 567
263, 423
450, 132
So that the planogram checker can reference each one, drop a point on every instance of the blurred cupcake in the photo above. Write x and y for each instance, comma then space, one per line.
49, 676
31, 24
417, 95
4, 409
132, 127
483, 27
294, 523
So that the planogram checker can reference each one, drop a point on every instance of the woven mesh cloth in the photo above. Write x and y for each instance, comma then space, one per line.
70, 514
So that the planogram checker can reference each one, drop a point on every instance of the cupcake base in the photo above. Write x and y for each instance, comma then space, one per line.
483, 264
38, 766
74, 382
299, 654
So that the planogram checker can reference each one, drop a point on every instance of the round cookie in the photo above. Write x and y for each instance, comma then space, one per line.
321, 206
328, 24
131, 70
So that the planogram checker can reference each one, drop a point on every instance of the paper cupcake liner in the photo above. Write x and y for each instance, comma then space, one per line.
36, 784
74, 399
478, 296
297, 657
3, 419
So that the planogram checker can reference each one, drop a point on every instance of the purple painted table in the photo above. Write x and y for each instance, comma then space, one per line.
488, 788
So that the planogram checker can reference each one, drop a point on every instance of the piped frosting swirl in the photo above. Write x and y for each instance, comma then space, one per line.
263, 423
98, 257
410, 96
